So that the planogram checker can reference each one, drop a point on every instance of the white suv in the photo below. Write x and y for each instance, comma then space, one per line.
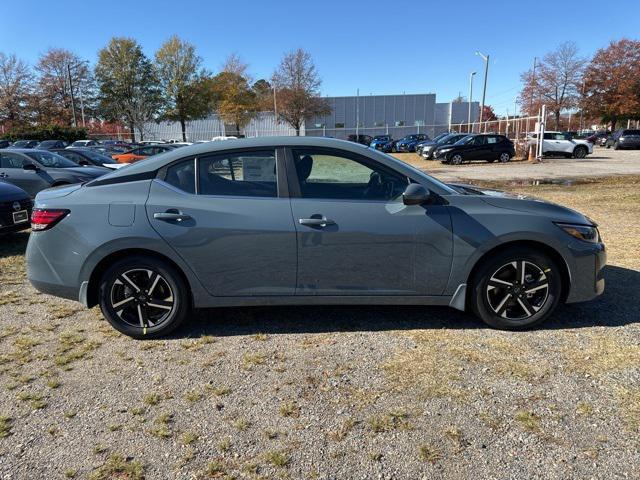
562, 143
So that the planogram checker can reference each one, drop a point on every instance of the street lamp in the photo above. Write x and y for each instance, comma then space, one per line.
469, 128
484, 89
73, 106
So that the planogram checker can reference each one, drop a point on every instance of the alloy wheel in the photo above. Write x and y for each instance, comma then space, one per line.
142, 298
456, 159
517, 290
504, 157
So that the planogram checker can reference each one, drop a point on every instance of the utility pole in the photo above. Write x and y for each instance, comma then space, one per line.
533, 83
470, 124
275, 105
582, 106
73, 106
484, 88
357, 112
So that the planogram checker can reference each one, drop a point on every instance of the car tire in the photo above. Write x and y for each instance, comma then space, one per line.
580, 152
504, 157
616, 146
158, 306
456, 159
501, 300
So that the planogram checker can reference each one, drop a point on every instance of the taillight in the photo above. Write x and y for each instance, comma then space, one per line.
45, 218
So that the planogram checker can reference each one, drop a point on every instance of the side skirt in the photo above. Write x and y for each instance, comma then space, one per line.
212, 302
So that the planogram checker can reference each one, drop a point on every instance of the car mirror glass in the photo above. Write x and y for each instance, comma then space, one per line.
416, 194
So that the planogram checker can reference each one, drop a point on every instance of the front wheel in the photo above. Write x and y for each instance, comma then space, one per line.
516, 289
456, 159
143, 297
580, 152
616, 146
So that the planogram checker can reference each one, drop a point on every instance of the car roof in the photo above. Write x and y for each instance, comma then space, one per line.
158, 161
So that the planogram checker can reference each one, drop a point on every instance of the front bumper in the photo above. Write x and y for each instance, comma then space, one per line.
587, 274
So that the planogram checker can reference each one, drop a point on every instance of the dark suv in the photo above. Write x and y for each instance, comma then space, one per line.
624, 139
362, 139
489, 147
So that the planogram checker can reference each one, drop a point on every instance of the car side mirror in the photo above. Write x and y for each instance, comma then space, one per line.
416, 194
30, 166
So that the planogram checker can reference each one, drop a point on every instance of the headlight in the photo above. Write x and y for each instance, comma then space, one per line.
442, 150
581, 232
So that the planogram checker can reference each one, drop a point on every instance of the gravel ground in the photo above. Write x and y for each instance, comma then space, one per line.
330, 393
604, 162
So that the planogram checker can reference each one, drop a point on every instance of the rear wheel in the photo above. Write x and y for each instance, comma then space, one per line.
516, 289
143, 297
504, 157
580, 152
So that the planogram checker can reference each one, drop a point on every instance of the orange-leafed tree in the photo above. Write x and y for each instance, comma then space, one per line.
612, 82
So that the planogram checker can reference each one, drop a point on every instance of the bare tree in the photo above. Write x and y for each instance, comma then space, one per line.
556, 82
16, 86
59, 71
298, 89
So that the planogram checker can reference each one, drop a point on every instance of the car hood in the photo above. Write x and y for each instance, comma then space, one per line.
523, 203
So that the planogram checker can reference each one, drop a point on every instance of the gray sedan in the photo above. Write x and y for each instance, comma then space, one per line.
303, 221
34, 170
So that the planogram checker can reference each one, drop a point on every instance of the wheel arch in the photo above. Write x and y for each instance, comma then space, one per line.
104, 263
532, 244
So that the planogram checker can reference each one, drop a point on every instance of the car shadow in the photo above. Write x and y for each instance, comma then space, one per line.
612, 309
12, 244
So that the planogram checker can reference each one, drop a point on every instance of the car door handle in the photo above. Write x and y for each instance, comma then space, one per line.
316, 222
171, 215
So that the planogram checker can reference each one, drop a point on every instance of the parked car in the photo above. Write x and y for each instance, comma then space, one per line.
382, 143
140, 153
420, 145
84, 143
25, 144
88, 156
361, 139
428, 151
408, 143
563, 144
15, 208
623, 138
34, 170
5, 143
597, 137
185, 230
50, 144
489, 147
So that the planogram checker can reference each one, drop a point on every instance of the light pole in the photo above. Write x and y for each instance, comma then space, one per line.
73, 107
484, 88
469, 127
582, 105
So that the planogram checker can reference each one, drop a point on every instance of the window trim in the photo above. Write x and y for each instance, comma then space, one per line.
282, 190
294, 184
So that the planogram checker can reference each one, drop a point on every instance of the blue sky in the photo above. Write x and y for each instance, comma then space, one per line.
380, 47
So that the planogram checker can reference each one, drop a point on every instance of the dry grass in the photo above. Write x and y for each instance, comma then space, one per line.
118, 467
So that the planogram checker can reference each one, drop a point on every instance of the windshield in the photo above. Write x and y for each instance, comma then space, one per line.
98, 157
381, 138
21, 143
51, 160
441, 136
465, 140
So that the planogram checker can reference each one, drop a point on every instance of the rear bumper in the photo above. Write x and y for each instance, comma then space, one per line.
587, 275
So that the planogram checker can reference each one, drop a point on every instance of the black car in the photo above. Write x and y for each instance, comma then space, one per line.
5, 143
428, 151
362, 139
87, 156
51, 144
623, 138
489, 147
25, 144
15, 208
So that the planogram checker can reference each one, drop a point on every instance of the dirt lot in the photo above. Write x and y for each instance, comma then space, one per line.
330, 393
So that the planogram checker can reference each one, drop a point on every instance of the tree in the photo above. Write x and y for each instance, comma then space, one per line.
612, 82
59, 71
234, 98
488, 115
298, 89
556, 82
264, 94
128, 84
16, 86
183, 82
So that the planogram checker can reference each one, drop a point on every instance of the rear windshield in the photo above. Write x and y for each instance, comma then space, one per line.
51, 160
